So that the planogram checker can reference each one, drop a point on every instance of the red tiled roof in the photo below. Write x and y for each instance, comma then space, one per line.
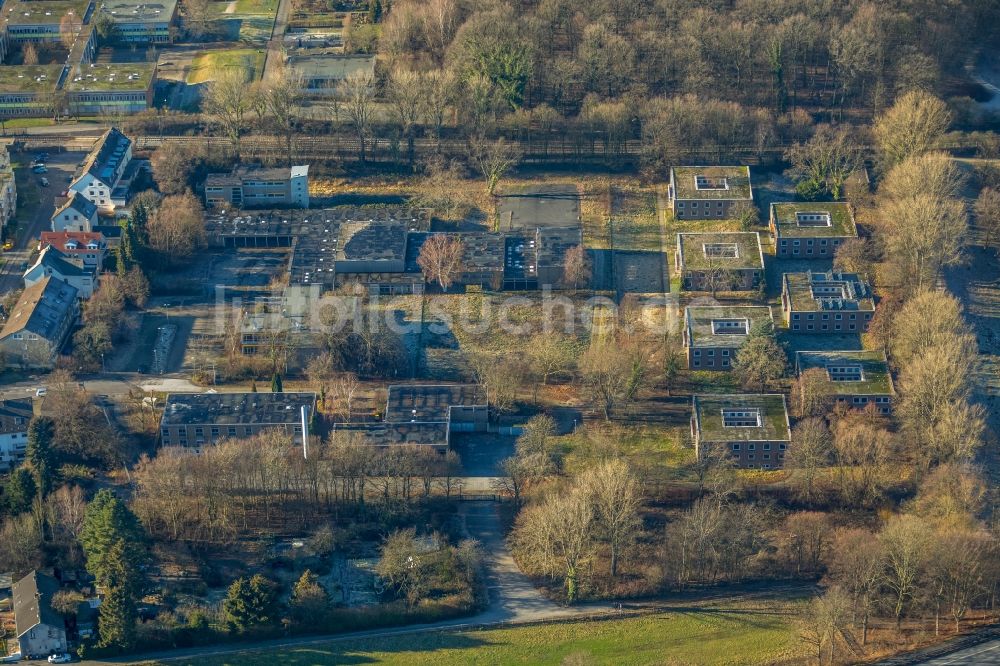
60, 238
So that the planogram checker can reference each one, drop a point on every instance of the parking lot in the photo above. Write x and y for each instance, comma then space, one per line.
539, 205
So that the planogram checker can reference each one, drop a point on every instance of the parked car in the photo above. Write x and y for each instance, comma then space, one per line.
8, 245
41, 392
40, 168
63, 658
44, 181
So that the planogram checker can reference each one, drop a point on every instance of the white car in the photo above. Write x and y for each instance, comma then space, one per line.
41, 393
64, 658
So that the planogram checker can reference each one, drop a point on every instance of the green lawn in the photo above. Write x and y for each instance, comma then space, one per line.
705, 636
656, 451
205, 64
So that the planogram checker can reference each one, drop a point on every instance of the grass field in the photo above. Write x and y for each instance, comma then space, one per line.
706, 636
205, 64
656, 451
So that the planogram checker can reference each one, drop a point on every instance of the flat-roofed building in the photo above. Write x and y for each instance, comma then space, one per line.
713, 334
257, 187
855, 378
825, 303
753, 429
709, 192
125, 88
148, 21
29, 90
811, 230
719, 261
42, 21
423, 415
194, 420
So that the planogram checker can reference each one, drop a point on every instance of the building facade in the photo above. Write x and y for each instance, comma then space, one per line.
104, 170
853, 378
193, 420
719, 261
15, 415
41, 631
752, 429
39, 324
826, 302
709, 193
89, 248
713, 334
253, 187
53, 263
76, 214
811, 230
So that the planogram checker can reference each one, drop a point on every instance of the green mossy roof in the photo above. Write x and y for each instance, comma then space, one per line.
875, 371
783, 216
774, 417
693, 251
699, 323
800, 293
737, 178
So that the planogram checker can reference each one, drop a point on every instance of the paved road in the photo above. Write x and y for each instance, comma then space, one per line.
985, 653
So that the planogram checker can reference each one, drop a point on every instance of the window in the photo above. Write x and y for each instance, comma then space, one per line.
721, 250
751, 447
736, 447
845, 372
730, 327
725, 352
710, 352
767, 447
215, 431
725, 362
232, 431
702, 182
697, 352
199, 432
697, 363
741, 418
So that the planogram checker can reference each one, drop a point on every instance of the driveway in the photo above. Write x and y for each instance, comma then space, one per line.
38, 218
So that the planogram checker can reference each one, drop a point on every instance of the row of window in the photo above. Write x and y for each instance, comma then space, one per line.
708, 204
822, 241
710, 352
697, 363
766, 446
826, 316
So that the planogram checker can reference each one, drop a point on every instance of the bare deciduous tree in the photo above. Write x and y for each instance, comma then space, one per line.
556, 538
355, 96
987, 211
905, 541
808, 453
177, 227
912, 126
552, 354
811, 395
825, 162
613, 372
576, 267
614, 494
228, 101
493, 159
440, 259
